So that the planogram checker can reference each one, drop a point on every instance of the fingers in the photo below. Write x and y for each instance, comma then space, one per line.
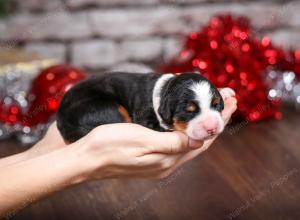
157, 165
229, 101
158, 161
169, 142
230, 107
226, 92
172, 142
194, 144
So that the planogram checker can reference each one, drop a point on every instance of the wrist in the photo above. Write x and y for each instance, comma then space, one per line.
89, 163
76, 165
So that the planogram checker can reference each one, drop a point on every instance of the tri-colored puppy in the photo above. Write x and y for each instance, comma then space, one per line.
186, 102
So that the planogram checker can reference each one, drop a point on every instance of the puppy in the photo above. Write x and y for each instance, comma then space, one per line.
186, 102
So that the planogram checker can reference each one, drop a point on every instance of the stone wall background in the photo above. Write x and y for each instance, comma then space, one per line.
100, 34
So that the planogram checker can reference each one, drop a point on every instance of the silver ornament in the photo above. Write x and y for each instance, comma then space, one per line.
15, 82
285, 86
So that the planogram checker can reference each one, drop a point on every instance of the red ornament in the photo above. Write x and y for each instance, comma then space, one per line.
47, 91
228, 53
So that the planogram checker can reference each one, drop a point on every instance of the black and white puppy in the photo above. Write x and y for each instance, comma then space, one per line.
187, 102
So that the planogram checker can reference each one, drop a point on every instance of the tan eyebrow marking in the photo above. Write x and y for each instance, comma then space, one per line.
191, 107
179, 125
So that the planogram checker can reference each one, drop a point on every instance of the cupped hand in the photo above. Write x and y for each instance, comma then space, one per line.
131, 150
127, 150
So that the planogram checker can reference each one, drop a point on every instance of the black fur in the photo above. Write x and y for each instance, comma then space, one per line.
95, 102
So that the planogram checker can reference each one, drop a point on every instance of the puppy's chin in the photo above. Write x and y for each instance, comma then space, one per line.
202, 137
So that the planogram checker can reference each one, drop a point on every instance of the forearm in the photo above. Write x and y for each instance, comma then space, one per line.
28, 154
40, 148
12, 159
27, 181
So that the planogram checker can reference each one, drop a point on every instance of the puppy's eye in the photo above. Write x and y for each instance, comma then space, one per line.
191, 107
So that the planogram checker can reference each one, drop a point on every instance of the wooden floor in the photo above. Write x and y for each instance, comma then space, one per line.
251, 174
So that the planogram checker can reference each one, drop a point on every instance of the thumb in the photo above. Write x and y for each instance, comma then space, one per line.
173, 143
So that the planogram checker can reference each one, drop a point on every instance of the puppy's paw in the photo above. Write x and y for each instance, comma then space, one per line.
227, 93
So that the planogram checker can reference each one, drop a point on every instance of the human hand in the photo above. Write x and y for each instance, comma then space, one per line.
131, 147
131, 150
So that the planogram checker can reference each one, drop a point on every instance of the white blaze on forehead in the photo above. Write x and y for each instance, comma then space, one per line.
203, 94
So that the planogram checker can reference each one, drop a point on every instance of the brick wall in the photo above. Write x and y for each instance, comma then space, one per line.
100, 34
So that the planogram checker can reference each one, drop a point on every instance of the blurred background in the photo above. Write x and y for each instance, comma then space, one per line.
99, 34
252, 171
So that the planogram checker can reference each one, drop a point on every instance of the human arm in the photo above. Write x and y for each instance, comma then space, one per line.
109, 151
50, 142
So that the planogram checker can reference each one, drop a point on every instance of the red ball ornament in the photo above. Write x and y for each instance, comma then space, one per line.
47, 91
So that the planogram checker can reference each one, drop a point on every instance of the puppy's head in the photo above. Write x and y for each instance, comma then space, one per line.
190, 103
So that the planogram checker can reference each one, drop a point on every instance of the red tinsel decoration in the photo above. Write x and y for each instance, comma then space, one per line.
229, 54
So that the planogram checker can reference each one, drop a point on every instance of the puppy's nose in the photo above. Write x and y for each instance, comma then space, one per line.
211, 131
210, 125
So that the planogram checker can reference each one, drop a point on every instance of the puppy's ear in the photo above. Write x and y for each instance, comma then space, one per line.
219, 95
222, 103
167, 103
165, 110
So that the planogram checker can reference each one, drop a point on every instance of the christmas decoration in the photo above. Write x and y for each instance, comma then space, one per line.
284, 80
229, 54
47, 91
27, 103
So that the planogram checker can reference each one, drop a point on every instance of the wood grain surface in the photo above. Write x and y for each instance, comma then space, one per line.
252, 171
